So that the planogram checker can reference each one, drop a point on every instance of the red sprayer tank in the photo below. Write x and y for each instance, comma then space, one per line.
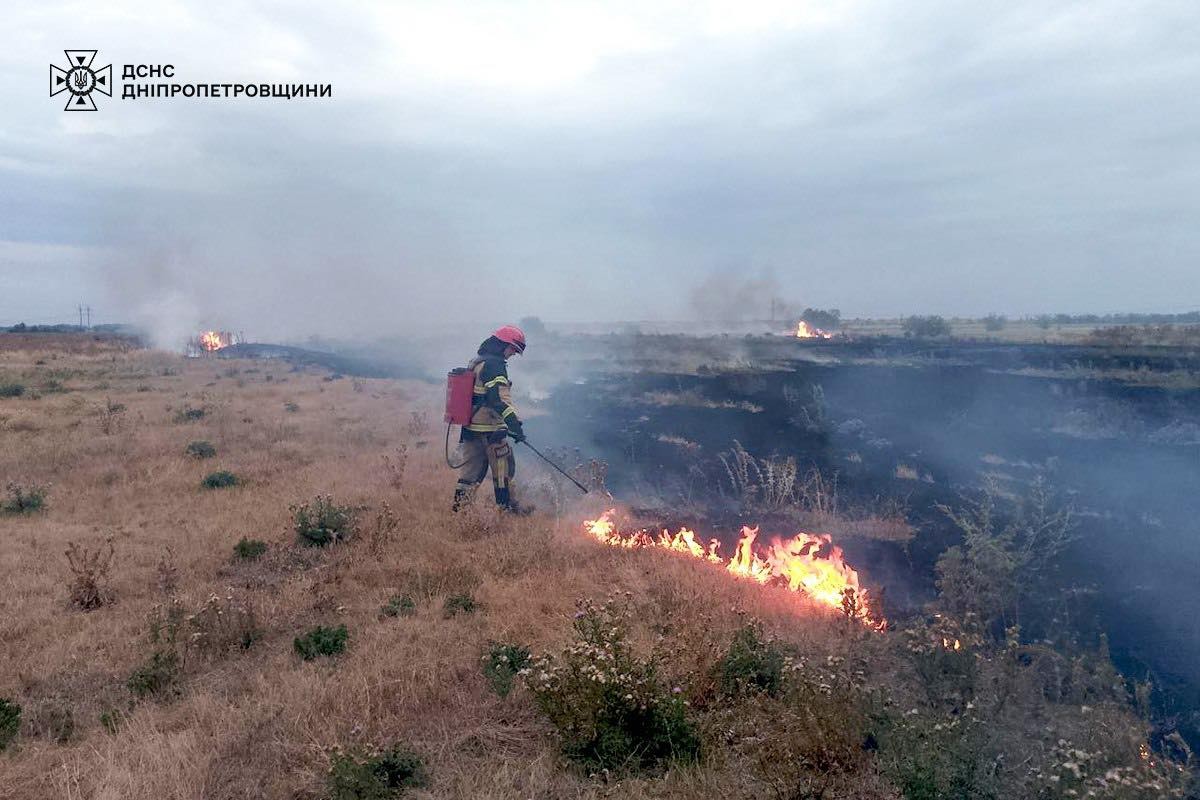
460, 389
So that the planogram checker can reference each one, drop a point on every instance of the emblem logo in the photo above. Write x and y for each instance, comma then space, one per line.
80, 80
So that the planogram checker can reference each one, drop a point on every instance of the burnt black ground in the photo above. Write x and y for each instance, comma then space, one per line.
1124, 456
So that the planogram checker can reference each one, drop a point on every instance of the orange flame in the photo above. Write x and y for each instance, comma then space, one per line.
795, 563
806, 331
211, 340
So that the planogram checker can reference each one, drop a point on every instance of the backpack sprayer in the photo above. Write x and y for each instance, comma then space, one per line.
460, 394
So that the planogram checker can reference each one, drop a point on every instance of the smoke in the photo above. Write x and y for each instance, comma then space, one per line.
168, 318
725, 297
1123, 456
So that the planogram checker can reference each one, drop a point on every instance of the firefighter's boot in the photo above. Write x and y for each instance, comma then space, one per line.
461, 498
509, 504
503, 499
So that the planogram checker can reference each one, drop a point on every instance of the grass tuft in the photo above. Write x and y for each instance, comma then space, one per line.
322, 522
249, 549
200, 449
321, 641
10, 721
401, 605
220, 479
376, 776
23, 499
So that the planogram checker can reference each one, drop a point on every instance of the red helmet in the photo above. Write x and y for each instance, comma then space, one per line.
511, 334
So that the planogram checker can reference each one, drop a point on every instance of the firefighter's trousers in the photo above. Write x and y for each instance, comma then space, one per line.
486, 452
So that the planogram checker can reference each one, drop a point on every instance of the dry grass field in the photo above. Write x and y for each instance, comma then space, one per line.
241, 715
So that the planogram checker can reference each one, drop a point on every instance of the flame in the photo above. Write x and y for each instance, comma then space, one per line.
806, 331
797, 563
211, 340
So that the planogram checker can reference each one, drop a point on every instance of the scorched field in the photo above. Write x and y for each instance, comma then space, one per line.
234, 578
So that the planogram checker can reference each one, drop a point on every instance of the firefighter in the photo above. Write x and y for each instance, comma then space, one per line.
484, 440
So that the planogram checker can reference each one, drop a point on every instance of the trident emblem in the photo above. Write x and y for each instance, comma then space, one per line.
80, 80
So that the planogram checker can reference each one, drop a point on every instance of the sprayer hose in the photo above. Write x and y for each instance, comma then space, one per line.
448, 462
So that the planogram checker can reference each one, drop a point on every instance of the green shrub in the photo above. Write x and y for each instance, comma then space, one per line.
160, 672
24, 499
200, 449
111, 720
501, 664
10, 721
322, 522
459, 603
249, 549
400, 605
998, 574
750, 664
291, 407
221, 626
374, 777
53, 387
926, 327
11, 390
811, 738
610, 707
157, 675
189, 414
321, 641
219, 480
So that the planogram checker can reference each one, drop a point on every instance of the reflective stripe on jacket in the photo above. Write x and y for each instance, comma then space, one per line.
492, 395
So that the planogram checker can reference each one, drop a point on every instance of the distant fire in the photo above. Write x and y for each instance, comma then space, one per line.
210, 342
807, 563
806, 331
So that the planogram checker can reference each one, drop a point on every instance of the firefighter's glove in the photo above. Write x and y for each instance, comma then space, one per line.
516, 430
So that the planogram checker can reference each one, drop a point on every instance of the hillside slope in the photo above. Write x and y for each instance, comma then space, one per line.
182, 680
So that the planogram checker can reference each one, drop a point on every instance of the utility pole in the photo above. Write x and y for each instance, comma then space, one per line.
81, 316
89, 316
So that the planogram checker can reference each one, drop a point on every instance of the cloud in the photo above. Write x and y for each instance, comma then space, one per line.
590, 161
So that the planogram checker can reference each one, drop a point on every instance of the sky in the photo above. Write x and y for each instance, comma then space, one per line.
596, 161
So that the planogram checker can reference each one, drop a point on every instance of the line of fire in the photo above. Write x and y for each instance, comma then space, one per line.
809, 564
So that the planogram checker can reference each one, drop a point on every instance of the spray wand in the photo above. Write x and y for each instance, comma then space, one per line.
460, 386
525, 442
562, 471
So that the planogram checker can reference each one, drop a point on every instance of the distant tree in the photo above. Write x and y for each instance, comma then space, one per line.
533, 326
1045, 321
995, 322
18, 328
826, 319
926, 327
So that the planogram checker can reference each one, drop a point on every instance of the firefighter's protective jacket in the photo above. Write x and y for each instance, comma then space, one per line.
492, 400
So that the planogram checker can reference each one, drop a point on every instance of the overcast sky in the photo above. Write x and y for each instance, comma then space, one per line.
597, 161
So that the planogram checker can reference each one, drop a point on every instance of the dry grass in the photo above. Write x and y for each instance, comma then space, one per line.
261, 723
